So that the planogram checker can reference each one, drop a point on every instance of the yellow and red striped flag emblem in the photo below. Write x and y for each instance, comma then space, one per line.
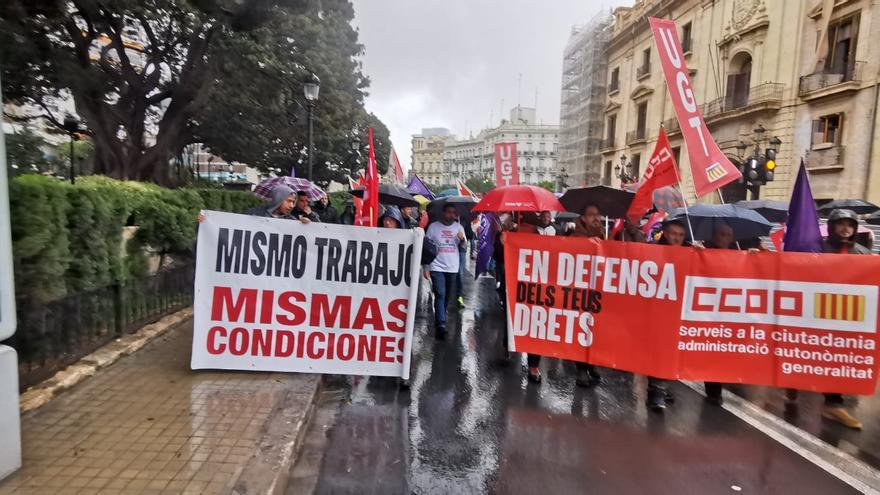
845, 307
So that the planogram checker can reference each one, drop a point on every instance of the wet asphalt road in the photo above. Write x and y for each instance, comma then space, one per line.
470, 424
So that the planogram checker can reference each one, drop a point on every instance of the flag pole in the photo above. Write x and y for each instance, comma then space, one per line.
687, 214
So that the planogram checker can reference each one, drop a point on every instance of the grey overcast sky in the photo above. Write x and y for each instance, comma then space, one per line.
450, 63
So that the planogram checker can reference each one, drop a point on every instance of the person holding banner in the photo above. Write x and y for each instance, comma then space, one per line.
447, 235
842, 228
280, 205
588, 225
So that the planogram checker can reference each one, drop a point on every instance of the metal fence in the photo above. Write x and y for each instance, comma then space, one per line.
54, 335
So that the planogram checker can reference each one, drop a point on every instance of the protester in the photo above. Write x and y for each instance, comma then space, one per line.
545, 224
326, 211
722, 238
509, 225
462, 260
447, 235
347, 216
409, 222
674, 233
842, 228
588, 225
302, 211
280, 205
630, 233
392, 219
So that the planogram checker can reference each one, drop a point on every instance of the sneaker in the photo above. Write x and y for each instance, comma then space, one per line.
460, 302
656, 400
841, 415
534, 375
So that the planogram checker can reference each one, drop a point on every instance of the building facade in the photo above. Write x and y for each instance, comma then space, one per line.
753, 65
584, 75
537, 150
427, 154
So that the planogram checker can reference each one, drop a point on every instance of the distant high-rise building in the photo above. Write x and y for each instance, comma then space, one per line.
584, 70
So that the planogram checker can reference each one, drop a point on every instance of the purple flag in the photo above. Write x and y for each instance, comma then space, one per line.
416, 186
802, 230
486, 242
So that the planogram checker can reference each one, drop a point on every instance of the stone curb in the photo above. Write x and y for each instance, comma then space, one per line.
268, 469
45, 391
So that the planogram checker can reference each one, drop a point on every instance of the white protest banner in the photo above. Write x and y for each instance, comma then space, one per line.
278, 295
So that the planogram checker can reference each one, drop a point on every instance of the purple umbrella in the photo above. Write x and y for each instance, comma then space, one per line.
264, 190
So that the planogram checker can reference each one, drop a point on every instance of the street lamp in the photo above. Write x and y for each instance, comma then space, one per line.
311, 88
622, 171
563, 180
71, 125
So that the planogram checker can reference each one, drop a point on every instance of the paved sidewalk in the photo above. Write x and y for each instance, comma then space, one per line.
148, 424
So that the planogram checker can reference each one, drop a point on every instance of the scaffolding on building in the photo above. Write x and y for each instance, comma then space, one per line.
584, 75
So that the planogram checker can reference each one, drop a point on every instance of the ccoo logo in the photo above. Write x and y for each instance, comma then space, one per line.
843, 307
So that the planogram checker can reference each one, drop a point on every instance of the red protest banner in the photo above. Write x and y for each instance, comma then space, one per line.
662, 171
795, 320
709, 167
506, 167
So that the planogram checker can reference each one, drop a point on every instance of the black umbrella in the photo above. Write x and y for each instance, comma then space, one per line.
611, 202
775, 211
390, 195
873, 219
860, 206
463, 205
704, 219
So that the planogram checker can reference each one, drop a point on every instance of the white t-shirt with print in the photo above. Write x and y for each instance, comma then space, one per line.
446, 239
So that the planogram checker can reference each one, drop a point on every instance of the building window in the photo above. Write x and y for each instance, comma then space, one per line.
641, 120
842, 40
646, 64
529, 146
738, 81
686, 35
636, 166
612, 130
676, 153
614, 85
606, 178
555, 147
542, 146
827, 129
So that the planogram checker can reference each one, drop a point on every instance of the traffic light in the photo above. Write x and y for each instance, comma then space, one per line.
753, 173
769, 165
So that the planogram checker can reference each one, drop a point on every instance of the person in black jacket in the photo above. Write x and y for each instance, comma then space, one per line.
326, 211
302, 208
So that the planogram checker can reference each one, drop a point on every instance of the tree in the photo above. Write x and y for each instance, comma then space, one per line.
131, 67
548, 185
258, 114
480, 185
25, 151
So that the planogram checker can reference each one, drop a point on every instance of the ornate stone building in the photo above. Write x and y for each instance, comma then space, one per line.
754, 65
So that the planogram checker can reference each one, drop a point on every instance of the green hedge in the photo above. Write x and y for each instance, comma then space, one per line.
67, 239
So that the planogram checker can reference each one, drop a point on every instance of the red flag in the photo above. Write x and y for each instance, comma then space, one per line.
506, 168
358, 202
396, 167
710, 169
777, 238
371, 193
662, 171
463, 189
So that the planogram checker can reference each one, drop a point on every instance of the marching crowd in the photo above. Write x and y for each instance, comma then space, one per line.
450, 236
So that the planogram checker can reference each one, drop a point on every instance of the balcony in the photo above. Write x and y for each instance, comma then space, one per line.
765, 97
826, 158
607, 144
643, 71
671, 126
635, 137
827, 83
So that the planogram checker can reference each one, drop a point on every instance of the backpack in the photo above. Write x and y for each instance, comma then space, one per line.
429, 251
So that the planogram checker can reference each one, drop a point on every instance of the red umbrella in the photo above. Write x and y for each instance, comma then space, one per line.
519, 198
